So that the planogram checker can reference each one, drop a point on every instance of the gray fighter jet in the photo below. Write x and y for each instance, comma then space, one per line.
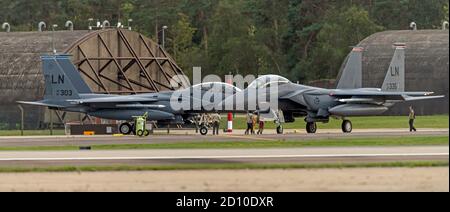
318, 105
65, 90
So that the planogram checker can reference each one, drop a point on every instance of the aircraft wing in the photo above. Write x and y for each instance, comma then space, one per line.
379, 93
112, 100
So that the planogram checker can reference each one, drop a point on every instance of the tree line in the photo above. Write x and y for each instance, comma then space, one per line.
301, 39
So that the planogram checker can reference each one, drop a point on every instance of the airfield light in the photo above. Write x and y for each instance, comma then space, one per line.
164, 28
53, 38
129, 23
90, 22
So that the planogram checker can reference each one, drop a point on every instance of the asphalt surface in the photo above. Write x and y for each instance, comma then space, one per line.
433, 179
189, 137
224, 156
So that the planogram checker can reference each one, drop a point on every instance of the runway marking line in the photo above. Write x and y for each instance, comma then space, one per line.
247, 137
229, 157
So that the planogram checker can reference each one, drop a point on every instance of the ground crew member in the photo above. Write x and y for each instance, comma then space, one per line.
249, 124
412, 118
216, 123
261, 125
254, 123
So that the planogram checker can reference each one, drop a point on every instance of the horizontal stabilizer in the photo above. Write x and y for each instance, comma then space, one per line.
378, 93
409, 98
39, 104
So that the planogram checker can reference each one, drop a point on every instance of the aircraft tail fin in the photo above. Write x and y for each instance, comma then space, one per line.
352, 75
62, 82
71, 71
395, 78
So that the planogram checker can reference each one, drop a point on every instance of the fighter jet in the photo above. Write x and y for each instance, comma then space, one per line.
318, 105
65, 90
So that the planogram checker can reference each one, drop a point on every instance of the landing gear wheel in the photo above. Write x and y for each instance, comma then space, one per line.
311, 127
347, 126
146, 133
204, 131
280, 130
140, 133
125, 128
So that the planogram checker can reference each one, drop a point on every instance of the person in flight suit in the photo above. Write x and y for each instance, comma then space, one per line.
412, 118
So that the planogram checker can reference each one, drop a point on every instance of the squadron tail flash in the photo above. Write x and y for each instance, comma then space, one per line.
395, 78
70, 70
58, 86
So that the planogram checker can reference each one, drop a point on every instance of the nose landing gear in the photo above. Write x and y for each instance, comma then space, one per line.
311, 127
280, 130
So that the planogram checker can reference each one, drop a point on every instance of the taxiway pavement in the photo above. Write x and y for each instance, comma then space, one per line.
224, 156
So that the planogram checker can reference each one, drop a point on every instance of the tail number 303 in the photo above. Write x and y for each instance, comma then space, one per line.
64, 92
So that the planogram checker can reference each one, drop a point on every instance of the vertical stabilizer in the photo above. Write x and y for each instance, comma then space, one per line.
70, 70
58, 86
395, 78
352, 75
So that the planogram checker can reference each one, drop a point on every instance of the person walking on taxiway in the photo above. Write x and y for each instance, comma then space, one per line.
216, 123
412, 118
254, 123
249, 124
261, 124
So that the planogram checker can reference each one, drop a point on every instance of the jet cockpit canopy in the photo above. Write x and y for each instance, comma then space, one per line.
217, 87
267, 81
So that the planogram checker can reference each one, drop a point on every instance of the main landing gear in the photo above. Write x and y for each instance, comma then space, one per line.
126, 128
347, 127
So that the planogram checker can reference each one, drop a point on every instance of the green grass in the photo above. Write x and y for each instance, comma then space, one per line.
411, 164
341, 142
376, 122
